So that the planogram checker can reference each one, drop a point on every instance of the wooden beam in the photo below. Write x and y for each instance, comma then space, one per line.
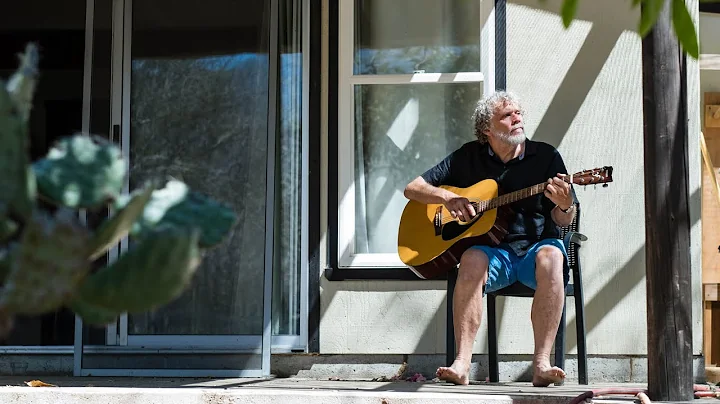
707, 333
709, 61
710, 212
712, 292
667, 218
711, 341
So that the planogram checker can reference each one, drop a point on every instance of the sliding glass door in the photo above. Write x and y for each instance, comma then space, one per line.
199, 112
214, 93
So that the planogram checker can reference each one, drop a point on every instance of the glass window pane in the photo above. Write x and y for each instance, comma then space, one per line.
199, 102
401, 131
403, 36
287, 266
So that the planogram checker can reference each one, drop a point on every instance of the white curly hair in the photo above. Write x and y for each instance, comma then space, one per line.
486, 107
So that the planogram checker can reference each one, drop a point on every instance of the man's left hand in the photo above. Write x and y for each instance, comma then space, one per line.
558, 191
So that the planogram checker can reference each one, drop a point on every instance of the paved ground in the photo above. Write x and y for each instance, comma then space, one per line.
108, 390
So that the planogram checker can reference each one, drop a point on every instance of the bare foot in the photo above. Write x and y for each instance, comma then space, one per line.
457, 373
545, 375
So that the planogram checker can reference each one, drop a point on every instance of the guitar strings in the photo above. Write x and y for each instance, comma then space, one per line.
485, 205
479, 205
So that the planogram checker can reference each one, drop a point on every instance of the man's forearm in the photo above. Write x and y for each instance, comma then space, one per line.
563, 218
421, 191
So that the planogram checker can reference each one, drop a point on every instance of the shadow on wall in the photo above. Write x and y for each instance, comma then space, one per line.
554, 124
599, 43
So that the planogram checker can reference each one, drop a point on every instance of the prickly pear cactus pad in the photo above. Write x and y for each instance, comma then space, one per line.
15, 193
119, 225
149, 274
21, 85
81, 172
177, 205
48, 265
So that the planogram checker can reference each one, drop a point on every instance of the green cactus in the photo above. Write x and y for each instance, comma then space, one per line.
46, 258
16, 183
178, 205
80, 173
117, 227
48, 265
150, 273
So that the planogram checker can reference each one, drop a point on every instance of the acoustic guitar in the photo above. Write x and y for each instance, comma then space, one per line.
431, 241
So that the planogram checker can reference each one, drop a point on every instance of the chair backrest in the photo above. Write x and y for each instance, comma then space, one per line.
572, 248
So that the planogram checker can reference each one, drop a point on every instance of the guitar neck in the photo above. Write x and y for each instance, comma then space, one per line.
513, 196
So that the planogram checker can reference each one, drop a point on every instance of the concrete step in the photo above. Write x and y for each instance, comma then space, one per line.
93, 390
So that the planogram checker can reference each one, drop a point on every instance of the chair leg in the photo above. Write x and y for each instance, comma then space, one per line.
450, 324
560, 343
581, 342
492, 340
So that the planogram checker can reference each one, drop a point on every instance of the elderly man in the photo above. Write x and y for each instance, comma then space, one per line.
532, 252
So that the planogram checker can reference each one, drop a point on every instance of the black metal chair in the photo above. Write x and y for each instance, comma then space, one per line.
572, 239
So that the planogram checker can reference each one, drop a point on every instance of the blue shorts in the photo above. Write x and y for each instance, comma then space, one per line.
506, 268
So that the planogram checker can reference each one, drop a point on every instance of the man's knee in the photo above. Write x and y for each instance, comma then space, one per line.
473, 265
549, 262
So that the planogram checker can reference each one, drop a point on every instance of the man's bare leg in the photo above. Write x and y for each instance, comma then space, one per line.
467, 313
546, 312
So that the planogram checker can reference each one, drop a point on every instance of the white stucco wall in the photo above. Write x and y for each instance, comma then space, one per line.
582, 88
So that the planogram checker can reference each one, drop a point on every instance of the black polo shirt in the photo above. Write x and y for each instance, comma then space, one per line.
475, 161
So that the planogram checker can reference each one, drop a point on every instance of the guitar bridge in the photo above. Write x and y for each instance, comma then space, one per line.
438, 221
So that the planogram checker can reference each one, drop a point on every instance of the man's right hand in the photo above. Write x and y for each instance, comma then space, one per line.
460, 208
421, 191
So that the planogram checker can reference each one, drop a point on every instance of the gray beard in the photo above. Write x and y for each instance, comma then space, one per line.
512, 140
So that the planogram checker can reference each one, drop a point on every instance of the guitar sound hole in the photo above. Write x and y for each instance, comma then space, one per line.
454, 229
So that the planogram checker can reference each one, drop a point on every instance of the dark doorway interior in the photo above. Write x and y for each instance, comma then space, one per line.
58, 28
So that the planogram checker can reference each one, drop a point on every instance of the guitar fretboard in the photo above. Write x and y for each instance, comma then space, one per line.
511, 197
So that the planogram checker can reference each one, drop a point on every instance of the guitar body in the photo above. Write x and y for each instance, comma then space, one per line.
431, 243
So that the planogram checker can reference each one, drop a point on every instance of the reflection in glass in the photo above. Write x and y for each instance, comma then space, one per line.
401, 131
288, 160
199, 113
403, 36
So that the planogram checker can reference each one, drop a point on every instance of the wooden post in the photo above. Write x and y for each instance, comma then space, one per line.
667, 222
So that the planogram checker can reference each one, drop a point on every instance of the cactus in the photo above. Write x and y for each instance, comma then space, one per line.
79, 172
46, 257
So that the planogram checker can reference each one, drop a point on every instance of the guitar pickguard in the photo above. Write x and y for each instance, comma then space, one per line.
452, 230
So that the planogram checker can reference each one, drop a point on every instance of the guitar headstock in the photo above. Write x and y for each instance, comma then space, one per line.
600, 175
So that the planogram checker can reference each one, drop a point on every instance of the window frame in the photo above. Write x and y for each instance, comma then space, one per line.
343, 263
709, 8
